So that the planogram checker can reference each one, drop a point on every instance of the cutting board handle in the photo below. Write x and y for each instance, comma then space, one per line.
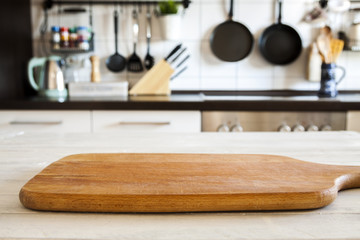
349, 179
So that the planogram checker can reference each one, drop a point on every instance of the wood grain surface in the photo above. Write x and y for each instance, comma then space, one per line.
185, 183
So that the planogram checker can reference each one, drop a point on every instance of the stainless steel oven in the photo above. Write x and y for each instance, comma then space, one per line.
239, 121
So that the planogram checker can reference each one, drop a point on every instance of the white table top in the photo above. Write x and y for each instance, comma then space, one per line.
23, 155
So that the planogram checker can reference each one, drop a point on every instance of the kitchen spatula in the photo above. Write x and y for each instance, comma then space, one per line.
336, 46
134, 61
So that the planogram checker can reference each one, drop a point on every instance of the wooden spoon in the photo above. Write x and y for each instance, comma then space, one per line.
323, 42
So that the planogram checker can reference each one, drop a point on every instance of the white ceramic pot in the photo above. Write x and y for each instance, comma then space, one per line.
170, 26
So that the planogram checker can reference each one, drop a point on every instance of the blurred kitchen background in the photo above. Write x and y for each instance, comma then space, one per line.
205, 71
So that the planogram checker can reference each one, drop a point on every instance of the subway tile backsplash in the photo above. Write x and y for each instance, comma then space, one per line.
205, 71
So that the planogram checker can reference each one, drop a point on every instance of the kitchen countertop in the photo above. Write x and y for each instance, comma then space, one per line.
203, 101
24, 154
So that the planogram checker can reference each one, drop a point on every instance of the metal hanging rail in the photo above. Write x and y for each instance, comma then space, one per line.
50, 3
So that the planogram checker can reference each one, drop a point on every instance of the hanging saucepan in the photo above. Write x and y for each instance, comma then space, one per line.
231, 41
280, 44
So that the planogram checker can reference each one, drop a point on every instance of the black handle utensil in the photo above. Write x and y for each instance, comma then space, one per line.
116, 62
173, 52
149, 60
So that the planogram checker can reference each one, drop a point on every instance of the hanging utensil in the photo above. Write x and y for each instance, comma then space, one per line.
149, 60
43, 30
134, 61
116, 62
91, 15
324, 44
280, 44
231, 41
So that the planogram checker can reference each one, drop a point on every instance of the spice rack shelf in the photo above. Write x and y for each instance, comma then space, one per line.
75, 50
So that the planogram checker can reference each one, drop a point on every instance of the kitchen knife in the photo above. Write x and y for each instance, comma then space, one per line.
182, 62
178, 73
173, 52
177, 56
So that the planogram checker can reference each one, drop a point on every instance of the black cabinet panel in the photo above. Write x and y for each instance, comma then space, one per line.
15, 48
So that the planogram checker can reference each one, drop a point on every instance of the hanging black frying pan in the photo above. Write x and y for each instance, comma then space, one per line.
280, 44
231, 41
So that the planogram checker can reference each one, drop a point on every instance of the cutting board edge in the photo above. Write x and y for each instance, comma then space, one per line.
230, 156
177, 203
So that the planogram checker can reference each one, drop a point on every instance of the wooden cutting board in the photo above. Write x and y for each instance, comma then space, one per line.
185, 183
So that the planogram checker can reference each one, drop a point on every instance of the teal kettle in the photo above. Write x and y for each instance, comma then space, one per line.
50, 78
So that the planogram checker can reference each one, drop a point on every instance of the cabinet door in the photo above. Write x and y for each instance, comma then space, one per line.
144, 121
353, 121
46, 121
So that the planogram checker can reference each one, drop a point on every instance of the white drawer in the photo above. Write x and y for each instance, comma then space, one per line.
140, 121
46, 121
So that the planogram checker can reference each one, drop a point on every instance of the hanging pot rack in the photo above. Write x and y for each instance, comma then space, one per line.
48, 4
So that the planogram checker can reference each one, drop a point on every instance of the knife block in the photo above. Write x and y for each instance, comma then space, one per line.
155, 81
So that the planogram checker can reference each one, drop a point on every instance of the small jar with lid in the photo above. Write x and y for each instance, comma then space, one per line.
84, 45
64, 37
55, 37
73, 39
83, 33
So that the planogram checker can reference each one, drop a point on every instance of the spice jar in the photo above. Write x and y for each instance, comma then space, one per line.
83, 33
73, 42
64, 37
84, 45
55, 37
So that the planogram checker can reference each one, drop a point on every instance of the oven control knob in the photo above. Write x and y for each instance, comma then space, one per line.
223, 128
298, 128
312, 128
326, 128
237, 128
284, 128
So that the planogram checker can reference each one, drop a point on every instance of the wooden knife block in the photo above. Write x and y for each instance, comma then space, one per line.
155, 81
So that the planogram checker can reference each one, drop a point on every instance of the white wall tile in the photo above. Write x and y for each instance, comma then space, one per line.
352, 66
256, 16
254, 83
295, 70
255, 65
218, 83
191, 23
185, 83
211, 15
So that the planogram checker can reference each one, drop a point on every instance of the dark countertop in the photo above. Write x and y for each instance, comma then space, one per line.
204, 101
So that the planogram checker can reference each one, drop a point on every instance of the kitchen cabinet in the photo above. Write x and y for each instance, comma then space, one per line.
353, 121
101, 121
45, 121
146, 121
